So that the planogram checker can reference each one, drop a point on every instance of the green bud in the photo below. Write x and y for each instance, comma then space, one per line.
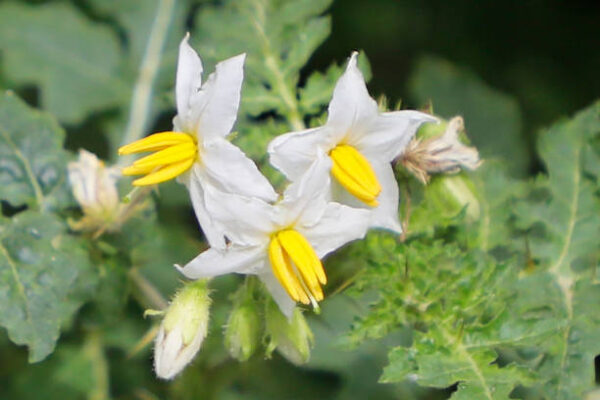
453, 193
292, 338
428, 131
444, 198
242, 332
183, 329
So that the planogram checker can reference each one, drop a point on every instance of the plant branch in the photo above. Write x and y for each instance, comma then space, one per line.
142, 93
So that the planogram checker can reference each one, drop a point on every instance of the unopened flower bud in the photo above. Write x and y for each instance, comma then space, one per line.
183, 329
452, 194
444, 153
95, 189
292, 338
242, 332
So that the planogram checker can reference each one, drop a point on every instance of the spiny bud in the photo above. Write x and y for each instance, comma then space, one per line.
431, 152
94, 187
292, 338
242, 332
182, 330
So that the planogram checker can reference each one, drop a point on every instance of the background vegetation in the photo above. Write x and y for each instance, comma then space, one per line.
488, 301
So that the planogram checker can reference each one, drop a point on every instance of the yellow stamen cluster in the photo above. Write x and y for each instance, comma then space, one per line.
297, 266
353, 172
175, 154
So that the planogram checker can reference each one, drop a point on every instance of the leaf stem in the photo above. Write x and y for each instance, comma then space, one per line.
472, 363
142, 93
289, 99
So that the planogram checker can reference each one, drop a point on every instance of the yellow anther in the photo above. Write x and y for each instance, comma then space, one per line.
353, 172
297, 266
157, 141
169, 155
354, 188
165, 173
283, 271
299, 245
133, 170
175, 154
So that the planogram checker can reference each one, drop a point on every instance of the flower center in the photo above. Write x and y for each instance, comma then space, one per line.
353, 171
297, 266
175, 152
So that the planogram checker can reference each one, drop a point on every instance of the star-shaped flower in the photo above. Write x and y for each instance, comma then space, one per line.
283, 243
197, 150
360, 141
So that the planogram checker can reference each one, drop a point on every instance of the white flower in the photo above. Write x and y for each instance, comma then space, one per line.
361, 143
282, 243
182, 330
440, 154
95, 188
197, 150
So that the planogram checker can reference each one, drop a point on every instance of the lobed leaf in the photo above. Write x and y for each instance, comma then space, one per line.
278, 37
45, 276
33, 166
564, 225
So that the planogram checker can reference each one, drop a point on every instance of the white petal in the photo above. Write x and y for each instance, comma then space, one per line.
214, 262
387, 135
306, 198
351, 104
189, 79
166, 351
339, 225
212, 231
283, 300
233, 172
171, 355
245, 220
221, 98
386, 214
294, 152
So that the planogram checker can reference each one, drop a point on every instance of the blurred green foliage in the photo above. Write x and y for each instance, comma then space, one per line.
492, 292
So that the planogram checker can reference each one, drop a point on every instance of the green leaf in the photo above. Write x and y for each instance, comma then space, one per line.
80, 58
454, 301
33, 167
498, 194
521, 314
319, 89
563, 221
278, 37
492, 118
45, 276
87, 69
569, 211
